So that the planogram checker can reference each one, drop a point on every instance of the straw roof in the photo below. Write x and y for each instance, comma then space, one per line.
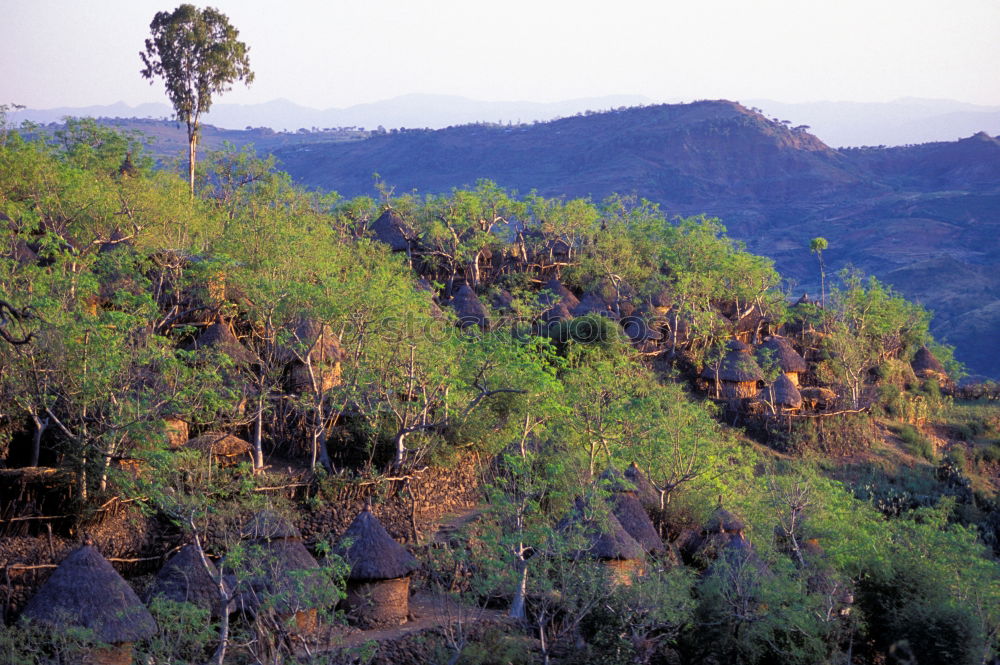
784, 354
371, 551
737, 366
219, 444
279, 569
645, 491
392, 230
723, 521
559, 293
309, 333
558, 312
184, 579
468, 307
268, 525
925, 362
593, 303
638, 329
786, 393
502, 300
606, 538
220, 338
635, 520
615, 481
86, 591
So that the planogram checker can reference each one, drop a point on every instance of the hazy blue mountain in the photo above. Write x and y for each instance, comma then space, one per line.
899, 122
433, 111
925, 218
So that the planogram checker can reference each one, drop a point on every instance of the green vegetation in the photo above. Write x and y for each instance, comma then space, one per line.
328, 354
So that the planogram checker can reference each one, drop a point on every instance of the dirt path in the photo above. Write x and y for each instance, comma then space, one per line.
427, 611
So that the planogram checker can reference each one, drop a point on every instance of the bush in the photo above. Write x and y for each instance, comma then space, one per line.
914, 442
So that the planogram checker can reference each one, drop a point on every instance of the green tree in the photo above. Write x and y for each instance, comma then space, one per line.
816, 246
197, 54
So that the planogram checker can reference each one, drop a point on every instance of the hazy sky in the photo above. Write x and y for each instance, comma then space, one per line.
335, 53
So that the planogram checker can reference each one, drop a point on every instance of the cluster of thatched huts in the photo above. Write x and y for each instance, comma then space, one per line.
275, 573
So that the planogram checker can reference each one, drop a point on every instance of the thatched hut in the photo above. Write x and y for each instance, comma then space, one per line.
391, 229
86, 592
378, 586
593, 303
469, 309
557, 293
786, 395
926, 366
648, 495
722, 535
225, 449
280, 574
738, 372
781, 351
817, 397
319, 351
184, 579
176, 430
625, 505
219, 337
607, 541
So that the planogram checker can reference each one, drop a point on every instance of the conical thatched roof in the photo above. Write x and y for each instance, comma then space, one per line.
183, 579
86, 591
925, 362
219, 444
371, 551
638, 329
635, 520
723, 521
593, 303
220, 338
784, 354
280, 569
786, 393
737, 365
559, 293
645, 491
392, 230
606, 538
558, 312
268, 525
468, 307
322, 343
613, 480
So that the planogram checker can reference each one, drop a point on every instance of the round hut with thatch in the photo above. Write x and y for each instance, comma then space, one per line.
280, 573
184, 579
926, 366
86, 592
625, 506
737, 374
785, 395
391, 229
378, 586
317, 364
554, 292
469, 309
781, 351
219, 337
607, 541
224, 449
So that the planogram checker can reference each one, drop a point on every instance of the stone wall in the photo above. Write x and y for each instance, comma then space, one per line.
410, 509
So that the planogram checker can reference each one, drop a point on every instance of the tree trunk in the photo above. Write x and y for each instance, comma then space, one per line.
192, 152
517, 606
36, 440
258, 448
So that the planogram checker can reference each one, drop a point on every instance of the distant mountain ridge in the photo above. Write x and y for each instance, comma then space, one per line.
899, 122
926, 218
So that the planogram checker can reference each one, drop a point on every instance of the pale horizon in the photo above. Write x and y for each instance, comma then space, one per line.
59, 54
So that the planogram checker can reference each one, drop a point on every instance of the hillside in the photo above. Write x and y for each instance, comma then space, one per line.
898, 213
250, 421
